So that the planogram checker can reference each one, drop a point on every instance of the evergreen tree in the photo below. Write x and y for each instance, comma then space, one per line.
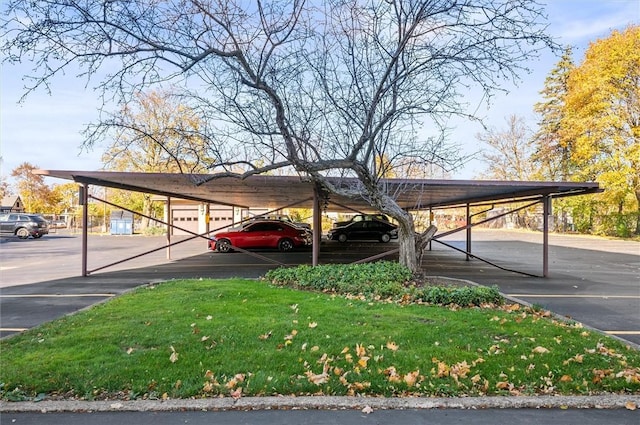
552, 150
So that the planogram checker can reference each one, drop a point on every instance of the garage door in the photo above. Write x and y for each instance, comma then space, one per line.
187, 219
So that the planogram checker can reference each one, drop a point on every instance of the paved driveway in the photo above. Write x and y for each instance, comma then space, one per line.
592, 280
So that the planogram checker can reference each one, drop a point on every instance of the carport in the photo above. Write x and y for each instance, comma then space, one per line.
279, 192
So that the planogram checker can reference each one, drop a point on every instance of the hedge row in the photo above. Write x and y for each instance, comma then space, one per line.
380, 280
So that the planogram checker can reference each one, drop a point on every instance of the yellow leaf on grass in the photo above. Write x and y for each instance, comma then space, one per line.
360, 350
362, 362
313, 325
345, 350
174, 356
319, 379
443, 370
411, 378
566, 378
265, 336
392, 346
539, 350
503, 385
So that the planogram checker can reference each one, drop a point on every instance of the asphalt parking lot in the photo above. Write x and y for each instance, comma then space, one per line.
595, 281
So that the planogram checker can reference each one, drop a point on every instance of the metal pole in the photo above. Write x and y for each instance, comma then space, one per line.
468, 232
207, 218
83, 198
169, 221
317, 228
430, 223
546, 206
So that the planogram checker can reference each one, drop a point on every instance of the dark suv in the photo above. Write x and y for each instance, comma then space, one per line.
23, 225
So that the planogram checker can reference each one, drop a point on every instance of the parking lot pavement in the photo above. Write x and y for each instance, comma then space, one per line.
592, 280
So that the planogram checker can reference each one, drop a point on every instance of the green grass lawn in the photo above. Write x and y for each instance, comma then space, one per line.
206, 338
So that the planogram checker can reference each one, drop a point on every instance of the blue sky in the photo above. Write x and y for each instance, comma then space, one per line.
45, 130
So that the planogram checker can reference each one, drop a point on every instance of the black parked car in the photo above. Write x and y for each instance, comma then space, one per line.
23, 225
362, 217
365, 230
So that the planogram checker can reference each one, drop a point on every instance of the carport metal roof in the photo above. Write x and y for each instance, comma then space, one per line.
275, 192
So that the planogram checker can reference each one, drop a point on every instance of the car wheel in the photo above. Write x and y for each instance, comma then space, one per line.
37, 236
342, 237
22, 233
385, 237
285, 245
223, 245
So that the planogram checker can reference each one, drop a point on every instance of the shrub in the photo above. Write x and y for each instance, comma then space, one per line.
383, 279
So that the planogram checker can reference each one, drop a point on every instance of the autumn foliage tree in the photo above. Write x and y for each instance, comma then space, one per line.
602, 118
314, 88
34, 192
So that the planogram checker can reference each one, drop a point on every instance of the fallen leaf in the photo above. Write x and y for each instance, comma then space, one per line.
129, 350
313, 325
630, 405
362, 362
566, 378
503, 385
265, 336
367, 410
411, 378
237, 393
209, 317
319, 379
539, 350
174, 356
360, 350
392, 346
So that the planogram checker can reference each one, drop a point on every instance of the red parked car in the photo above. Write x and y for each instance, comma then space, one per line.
262, 234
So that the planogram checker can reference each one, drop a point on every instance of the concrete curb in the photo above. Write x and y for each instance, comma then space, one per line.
612, 401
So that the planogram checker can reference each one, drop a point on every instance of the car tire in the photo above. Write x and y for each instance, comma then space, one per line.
342, 238
285, 245
37, 236
223, 245
385, 237
22, 233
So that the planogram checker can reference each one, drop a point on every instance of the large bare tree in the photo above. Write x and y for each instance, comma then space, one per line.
326, 88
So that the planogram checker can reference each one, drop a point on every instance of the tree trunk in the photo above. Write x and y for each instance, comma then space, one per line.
408, 255
146, 210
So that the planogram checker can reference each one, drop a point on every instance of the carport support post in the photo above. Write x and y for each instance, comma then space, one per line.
317, 228
468, 232
169, 217
83, 198
430, 223
546, 207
